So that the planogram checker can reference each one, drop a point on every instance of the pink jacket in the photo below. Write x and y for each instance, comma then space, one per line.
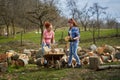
48, 36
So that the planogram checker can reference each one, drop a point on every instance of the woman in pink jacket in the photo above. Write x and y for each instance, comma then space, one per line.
48, 36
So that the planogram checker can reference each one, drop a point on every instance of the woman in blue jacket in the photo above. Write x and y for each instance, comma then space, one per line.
74, 35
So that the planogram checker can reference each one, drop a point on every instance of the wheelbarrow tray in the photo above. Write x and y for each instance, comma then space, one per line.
53, 60
53, 56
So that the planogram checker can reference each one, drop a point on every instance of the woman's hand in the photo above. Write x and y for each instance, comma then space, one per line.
71, 40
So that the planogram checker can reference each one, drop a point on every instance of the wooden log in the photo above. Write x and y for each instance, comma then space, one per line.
115, 66
67, 38
117, 55
79, 50
32, 60
93, 47
21, 62
3, 67
103, 67
53, 46
100, 50
57, 64
94, 62
64, 61
82, 56
117, 47
40, 62
109, 49
46, 50
105, 58
3, 57
24, 57
28, 52
15, 57
10, 53
108, 67
39, 53
85, 61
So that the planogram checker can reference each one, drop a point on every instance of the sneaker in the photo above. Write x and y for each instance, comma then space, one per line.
78, 66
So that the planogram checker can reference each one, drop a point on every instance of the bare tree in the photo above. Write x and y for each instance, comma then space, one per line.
27, 13
97, 10
43, 12
110, 21
14, 14
93, 25
83, 17
61, 22
5, 13
117, 29
72, 6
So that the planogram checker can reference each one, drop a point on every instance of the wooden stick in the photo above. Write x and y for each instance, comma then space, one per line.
108, 67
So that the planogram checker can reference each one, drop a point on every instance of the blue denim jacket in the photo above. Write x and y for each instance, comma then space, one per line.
74, 32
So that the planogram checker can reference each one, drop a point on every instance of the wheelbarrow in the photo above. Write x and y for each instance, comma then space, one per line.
53, 60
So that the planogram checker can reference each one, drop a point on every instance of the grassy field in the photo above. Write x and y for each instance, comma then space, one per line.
32, 72
35, 37
85, 40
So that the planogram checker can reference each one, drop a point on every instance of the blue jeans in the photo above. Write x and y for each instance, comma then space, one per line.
73, 52
43, 45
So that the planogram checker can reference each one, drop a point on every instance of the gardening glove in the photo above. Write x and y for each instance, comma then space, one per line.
71, 40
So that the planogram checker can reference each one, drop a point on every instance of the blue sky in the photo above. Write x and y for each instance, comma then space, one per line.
113, 6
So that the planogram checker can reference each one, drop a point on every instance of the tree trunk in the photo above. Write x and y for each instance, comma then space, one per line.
21, 38
7, 25
98, 25
1, 31
62, 35
117, 32
85, 28
7, 30
41, 27
98, 31
13, 27
38, 30
41, 37
94, 41
25, 28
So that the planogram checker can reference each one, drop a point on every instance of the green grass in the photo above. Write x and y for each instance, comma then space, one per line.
103, 33
31, 72
33, 37
115, 41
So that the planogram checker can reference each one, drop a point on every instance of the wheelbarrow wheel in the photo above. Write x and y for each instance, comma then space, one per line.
57, 64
